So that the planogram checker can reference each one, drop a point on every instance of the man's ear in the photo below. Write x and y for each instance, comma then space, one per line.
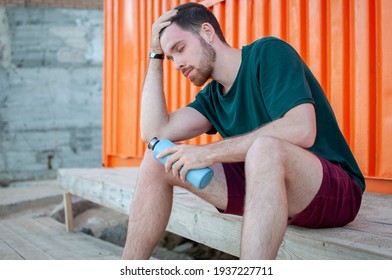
207, 32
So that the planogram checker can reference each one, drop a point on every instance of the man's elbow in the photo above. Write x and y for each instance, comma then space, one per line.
146, 136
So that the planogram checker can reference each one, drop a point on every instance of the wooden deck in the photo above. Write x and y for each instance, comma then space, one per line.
43, 238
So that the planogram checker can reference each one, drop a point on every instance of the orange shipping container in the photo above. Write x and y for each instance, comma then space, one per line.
346, 43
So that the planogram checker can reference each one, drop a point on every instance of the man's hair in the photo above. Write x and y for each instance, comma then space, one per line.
191, 16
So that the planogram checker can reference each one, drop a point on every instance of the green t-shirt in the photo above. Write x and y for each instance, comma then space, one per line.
271, 80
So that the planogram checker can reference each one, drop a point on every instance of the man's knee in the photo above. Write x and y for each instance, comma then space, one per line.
148, 159
265, 151
151, 168
153, 171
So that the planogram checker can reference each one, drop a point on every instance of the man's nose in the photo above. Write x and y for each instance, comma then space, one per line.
178, 63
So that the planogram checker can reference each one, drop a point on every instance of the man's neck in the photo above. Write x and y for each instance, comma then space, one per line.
227, 64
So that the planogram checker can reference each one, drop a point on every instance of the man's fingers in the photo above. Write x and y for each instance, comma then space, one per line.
162, 22
167, 15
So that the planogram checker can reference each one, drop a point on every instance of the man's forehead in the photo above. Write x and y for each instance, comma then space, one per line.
172, 34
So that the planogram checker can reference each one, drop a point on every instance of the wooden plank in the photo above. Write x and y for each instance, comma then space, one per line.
68, 213
22, 247
376, 208
7, 252
197, 220
112, 187
368, 237
375, 215
90, 247
50, 241
377, 228
43, 242
336, 243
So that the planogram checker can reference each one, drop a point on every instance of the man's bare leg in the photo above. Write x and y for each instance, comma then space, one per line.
152, 203
282, 180
149, 214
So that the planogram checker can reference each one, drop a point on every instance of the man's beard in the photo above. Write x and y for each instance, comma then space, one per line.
206, 65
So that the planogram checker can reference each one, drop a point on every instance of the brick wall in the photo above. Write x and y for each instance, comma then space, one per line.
76, 4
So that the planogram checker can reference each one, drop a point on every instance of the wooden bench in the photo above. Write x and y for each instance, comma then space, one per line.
368, 237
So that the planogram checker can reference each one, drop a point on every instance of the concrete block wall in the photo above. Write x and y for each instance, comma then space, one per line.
79, 4
50, 91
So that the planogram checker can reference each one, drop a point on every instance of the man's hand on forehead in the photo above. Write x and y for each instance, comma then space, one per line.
162, 22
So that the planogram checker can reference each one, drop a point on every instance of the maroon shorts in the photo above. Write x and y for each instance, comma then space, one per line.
336, 204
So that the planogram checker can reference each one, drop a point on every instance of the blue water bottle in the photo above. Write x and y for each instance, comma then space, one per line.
199, 178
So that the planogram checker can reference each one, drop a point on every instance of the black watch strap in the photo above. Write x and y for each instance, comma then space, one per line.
156, 55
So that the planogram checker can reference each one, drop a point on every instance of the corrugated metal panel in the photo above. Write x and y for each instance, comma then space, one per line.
346, 43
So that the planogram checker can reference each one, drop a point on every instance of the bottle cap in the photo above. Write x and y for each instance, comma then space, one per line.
152, 143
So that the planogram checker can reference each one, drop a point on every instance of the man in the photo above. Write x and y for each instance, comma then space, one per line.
283, 159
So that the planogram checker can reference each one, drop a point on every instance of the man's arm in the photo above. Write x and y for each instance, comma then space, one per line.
297, 126
155, 121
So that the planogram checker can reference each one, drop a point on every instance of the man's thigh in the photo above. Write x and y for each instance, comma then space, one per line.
303, 177
336, 203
